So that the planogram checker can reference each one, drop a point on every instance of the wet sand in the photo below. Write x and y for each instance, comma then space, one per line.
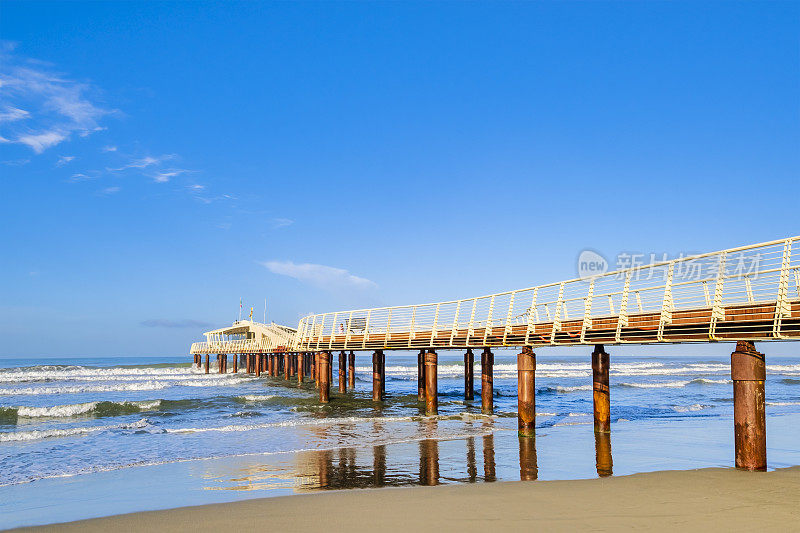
706, 499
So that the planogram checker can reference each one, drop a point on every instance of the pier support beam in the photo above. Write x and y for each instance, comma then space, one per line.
257, 357
431, 384
487, 381
351, 370
300, 368
286, 366
421, 376
219, 363
236, 363
526, 392
342, 372
469, 364
601, 389
315, 368
207, 365
748, 372
324, 376
377, 376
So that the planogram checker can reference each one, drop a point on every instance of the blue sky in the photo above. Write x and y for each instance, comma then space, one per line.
161, 160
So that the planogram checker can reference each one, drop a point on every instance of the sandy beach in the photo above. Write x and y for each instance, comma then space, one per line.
707, 499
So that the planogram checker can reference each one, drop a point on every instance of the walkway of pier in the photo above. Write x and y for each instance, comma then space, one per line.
745, 294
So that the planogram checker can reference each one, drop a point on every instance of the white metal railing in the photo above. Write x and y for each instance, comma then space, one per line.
763, 277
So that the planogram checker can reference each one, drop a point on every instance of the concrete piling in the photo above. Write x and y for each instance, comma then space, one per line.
487, 381
342, 372
351, 373
748, 372
421, 376
526, 392
377, 387
469, 364
324, 377
601, 389
431, 390
300, 368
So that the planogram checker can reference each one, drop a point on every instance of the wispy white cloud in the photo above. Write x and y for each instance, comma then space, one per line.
109, 148
64, 159
16, 162
10, 114
165, 175
196, 187
143, 162
42, 107
42, 141
322, 276
109, 190
281, 222
81, 176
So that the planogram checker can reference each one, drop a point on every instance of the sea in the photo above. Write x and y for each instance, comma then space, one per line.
87, 437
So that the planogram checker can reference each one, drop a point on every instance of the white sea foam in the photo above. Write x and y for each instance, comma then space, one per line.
783, 403
689, 408
39, 434
256, 397
114, 387
573, 389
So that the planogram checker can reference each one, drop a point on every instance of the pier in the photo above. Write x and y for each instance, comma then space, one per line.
744, 295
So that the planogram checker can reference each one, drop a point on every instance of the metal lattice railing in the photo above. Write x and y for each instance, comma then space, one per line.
746, 293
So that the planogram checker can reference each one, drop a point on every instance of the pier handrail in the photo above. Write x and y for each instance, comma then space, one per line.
764, 278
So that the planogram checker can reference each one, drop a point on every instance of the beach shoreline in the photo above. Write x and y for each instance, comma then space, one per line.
703, 499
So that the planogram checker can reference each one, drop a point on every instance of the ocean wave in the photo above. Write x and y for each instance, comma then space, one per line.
39, 434
124, 374
116, 387
102, 408
783, 403
256, 397
674, 384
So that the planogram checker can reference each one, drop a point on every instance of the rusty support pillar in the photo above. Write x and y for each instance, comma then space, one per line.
421, 376
469, 384
219, 363
377, 388
257, 358
342, 372
748, 372
351, 370
383, 373
324, 377
487, 381
315, 368
286, 366
207, 356
431, 389
526, 392
235, 363
300, 369
271, 364
601, 390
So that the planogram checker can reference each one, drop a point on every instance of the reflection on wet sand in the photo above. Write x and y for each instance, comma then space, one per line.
488, 458
528, 465
472, 471
425, 462
602, 446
